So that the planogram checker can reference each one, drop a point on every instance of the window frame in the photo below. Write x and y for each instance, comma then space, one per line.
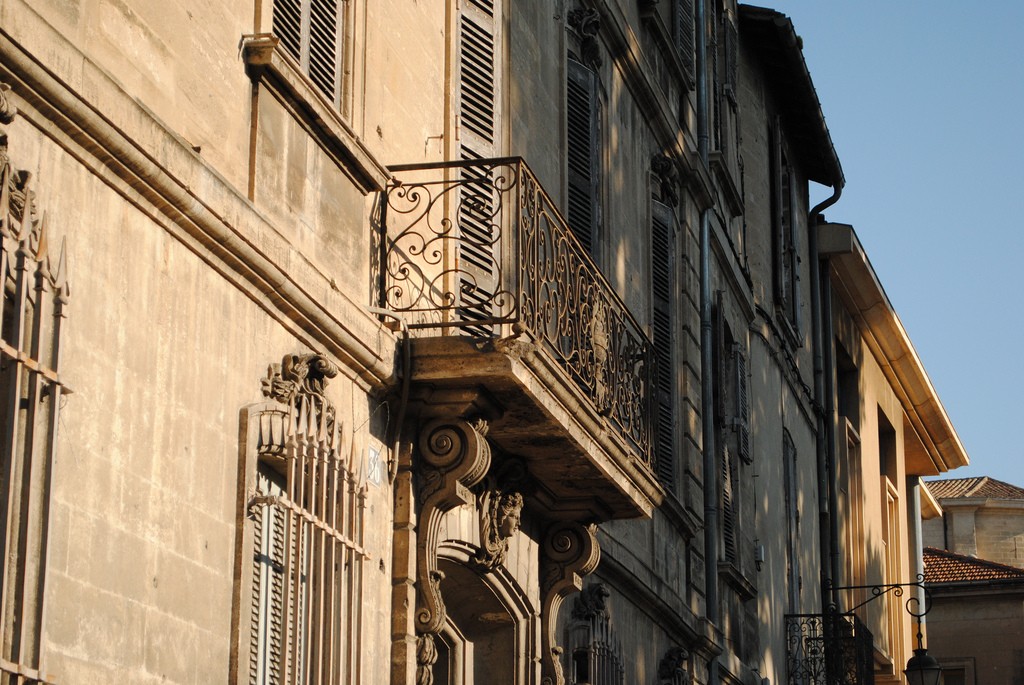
270, 66
35, 296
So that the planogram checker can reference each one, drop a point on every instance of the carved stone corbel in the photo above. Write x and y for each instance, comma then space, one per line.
454, 456
586, 22
665, 170
570, 552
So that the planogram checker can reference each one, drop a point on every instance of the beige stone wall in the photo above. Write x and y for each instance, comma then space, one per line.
988, 529
981, 632
167, 340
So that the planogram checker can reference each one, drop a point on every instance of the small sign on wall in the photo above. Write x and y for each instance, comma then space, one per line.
374, 465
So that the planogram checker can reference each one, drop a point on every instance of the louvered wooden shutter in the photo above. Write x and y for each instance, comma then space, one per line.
685, 42
661, 296
267, 648
731, 58
716, 80
478, 129
778, 221
311, 32
728, 500
582, 148
718, 357
741, 420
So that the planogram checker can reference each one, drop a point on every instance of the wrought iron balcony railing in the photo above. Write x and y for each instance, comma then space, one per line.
829, 649
477, 248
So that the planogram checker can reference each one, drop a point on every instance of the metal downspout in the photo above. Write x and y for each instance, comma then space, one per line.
824, 453
914, 485
706, 342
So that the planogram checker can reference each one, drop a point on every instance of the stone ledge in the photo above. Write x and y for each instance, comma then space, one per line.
189, 199
268, 65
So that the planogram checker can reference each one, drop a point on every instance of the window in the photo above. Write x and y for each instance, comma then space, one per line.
582, 147
685, 39
784, 225
478, 116
594, 651
731, 426
35, 293
312, 32
306, 521
793, 575
662, 278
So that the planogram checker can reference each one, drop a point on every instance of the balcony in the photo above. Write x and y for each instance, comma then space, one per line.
502, 300
829, 649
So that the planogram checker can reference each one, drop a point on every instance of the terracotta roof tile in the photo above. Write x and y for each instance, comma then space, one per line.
982, 487
941, 566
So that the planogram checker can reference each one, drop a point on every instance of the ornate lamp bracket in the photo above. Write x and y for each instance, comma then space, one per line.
914, 605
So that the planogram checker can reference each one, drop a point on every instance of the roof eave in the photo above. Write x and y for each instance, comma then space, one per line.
858, 285
773, 37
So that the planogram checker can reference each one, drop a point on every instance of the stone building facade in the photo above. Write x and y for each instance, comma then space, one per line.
443, 341
980, 517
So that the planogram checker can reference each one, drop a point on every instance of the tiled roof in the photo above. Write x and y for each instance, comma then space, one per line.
941, 566
982, 487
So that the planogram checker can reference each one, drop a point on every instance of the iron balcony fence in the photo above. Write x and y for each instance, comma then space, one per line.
829, 649
477, 248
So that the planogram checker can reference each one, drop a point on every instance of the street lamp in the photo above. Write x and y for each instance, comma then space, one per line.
922, 669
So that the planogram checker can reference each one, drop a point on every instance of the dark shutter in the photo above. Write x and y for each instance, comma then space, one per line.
661, 296
323, 47
581, 144
728, 500
311, 32
778, 222
741, 423
477, 109
731, 58
287, 25
476, 74
685, 42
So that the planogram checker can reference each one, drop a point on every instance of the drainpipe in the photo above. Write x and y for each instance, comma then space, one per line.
914, 486
824, 406
706, 343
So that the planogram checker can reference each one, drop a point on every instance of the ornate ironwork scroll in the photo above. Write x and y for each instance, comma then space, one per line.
829, 649
478, 248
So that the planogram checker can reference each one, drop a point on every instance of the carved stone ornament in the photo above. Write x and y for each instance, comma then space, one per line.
298, 374
672, 670
586, 22
7, 108
570, 551
500, 514
668, 178
591, 603
500, 508
453, 457
426, 657
17, 199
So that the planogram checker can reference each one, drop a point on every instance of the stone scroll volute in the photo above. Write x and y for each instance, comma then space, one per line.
454, 456
570, 552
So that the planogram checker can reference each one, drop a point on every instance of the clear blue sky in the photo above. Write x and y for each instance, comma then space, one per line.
925, 103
